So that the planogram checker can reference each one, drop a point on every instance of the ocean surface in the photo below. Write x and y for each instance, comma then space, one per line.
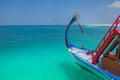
38, 52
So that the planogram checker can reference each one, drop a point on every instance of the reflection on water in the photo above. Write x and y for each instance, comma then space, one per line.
75, 72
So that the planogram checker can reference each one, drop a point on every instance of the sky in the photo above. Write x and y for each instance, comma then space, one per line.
57, 12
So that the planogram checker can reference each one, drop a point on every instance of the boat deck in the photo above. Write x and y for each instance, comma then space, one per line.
81, 53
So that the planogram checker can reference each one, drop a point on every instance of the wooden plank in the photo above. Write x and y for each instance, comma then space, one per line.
110, 65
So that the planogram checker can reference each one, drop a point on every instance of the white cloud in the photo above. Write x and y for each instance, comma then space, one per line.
115, 4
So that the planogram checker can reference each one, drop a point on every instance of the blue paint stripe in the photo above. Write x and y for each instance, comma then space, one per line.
98, 69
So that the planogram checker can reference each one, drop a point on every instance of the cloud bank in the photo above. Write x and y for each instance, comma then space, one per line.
115, 4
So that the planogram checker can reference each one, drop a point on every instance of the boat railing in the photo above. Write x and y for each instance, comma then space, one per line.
109, 36
112, 28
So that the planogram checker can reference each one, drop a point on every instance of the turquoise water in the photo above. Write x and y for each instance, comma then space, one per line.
39, 53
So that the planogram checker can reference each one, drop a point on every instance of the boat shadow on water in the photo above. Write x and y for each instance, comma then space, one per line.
75, 72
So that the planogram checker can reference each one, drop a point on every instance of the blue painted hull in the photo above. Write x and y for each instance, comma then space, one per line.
95, 69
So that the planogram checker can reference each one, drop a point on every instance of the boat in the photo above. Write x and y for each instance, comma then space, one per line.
101, 61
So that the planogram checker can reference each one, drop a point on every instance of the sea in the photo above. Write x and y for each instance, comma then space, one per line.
38, 52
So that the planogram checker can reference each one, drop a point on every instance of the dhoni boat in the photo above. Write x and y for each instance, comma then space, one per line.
101, 61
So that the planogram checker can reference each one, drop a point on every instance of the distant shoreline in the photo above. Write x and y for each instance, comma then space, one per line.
99, 25
56, 25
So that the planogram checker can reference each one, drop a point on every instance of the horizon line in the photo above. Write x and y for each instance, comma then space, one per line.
56, 24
